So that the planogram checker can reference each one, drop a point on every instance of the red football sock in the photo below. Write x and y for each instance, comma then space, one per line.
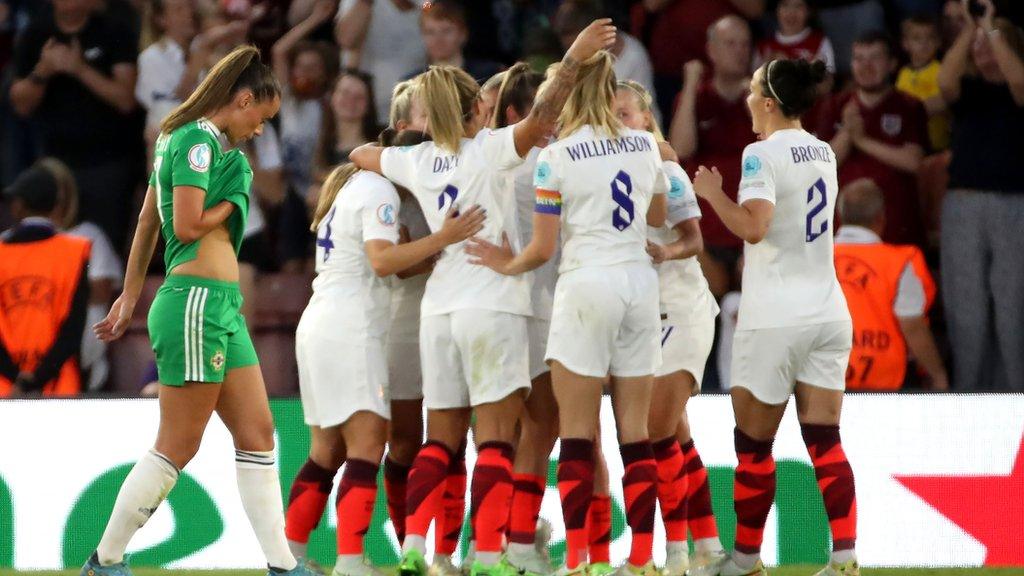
640, 493
600, 531
753, 491
356, 495
576, 489
527, 496
307, 501
425, 495
835, 480
449, 528
491, 494
699, 514
672, 487
396, 478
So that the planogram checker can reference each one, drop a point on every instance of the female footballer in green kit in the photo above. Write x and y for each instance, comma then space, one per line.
198, 199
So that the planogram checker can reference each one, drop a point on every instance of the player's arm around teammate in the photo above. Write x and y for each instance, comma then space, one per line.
794, 332
688, 313
199, 194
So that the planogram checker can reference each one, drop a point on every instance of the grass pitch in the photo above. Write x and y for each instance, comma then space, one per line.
794, 570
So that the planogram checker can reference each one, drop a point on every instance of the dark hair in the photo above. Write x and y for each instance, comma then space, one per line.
324, 155
922, 19
575, 15
449, 10
518, 89
872, 37
325, 50
793, 84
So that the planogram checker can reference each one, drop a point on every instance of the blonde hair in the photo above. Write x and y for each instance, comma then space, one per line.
67, 190
333, 184
646, 103
240, 69
518, 89
449, 95
494, 82
592, 98
401, 102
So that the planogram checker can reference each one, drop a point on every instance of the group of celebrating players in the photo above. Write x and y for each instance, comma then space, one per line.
544, 239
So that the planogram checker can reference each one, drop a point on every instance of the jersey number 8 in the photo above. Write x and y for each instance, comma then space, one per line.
623, 214
817, 217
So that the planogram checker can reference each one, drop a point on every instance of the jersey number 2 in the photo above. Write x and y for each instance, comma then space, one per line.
446, 199
623, 214
817, 217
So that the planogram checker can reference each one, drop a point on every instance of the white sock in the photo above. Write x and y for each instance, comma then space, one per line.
146, 486
707, 545
488, 558
414, 542
298, 548
521, 550
745, 561
260, 490
674, 546
348, 562
843, 556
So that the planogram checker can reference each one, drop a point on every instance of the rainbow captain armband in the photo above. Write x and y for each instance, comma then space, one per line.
548, 202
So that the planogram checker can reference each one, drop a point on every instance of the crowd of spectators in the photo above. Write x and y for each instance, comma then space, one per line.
924, 104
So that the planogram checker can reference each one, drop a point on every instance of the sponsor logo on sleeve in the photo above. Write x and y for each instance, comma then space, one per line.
676, 187
542, 174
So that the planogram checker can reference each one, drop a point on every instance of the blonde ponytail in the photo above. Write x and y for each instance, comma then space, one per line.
333, 184
401, 102
241, 68
646, 103
592, 99
449, 95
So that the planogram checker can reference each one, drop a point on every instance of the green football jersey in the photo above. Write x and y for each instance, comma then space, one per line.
194, 155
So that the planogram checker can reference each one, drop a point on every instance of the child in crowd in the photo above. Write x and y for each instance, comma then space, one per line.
920, 77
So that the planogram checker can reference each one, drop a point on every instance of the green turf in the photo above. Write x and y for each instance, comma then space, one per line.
782, 571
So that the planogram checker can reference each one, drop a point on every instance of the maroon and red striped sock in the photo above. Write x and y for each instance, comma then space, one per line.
527, 496
835, 480
640, 494
307, 501
449, 528
356, 495
600, 530
396, 478
672, 487
491, 495
753, 491
576, 489
699, 515
426, 485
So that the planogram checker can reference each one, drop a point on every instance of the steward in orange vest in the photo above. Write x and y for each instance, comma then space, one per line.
44, 293
889, 290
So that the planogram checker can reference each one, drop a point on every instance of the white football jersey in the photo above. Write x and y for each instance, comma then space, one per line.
602, 187
407, 293
682, 285
476, 174
789, 277
366, 208
542, 284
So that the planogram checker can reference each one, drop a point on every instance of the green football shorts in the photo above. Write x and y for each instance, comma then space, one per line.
197, 330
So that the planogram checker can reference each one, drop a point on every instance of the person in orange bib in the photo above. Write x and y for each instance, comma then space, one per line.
44, 293
889, 291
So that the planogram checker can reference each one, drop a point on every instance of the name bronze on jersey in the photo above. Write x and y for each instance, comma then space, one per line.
810, 154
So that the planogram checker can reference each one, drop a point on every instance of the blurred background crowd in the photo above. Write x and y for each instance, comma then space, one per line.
924, 108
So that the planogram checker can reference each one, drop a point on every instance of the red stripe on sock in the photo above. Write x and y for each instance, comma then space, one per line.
425, 494
640, 493
753, 491
699, 514
449, 527
600, 528
396, 477
307, 501
672, 488
576, 489
835, 481
527, 496
491, 494
356, 495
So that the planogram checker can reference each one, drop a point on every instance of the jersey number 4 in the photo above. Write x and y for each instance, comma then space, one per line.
817, 216
623, 214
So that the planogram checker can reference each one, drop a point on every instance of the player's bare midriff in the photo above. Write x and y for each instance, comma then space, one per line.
215, 260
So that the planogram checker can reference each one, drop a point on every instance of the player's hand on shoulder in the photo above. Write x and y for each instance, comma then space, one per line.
600, 34
707, 183
461, 226
490, 255
113, 326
